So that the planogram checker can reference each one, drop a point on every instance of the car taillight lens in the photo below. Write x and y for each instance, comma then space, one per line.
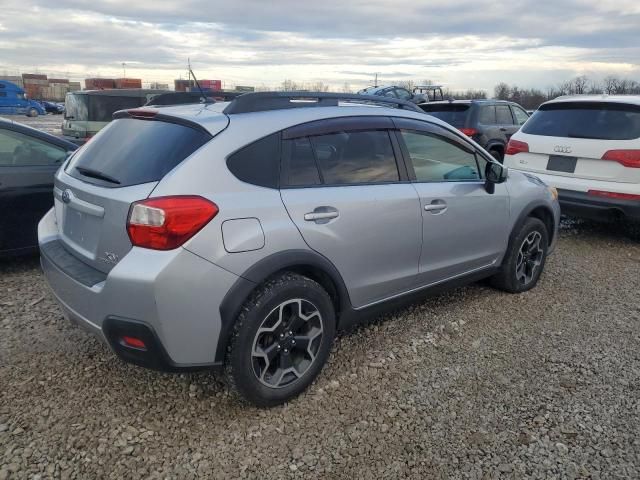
628, 158
514, 147
620, 196
165, 223
469, 132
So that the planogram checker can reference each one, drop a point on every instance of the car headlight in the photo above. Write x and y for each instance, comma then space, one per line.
554, 192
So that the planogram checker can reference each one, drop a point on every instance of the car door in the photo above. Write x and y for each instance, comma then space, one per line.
505, 121
352, 202
27, 167
464, 227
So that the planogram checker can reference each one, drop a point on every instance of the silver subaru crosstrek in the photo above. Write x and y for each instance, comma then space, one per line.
242, 235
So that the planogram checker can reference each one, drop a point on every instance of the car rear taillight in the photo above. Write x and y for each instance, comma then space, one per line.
165, 223
469, 132
620, 196
628, 158
515, 146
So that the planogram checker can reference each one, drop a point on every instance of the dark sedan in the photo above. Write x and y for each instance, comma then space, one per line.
28, 160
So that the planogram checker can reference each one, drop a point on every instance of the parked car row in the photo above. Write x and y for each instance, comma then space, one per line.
237, 243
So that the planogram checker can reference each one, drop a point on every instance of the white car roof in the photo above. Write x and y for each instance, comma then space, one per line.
629, 99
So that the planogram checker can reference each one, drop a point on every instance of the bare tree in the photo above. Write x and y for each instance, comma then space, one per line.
580, 85
501, 91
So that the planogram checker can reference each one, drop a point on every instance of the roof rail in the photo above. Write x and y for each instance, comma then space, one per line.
264, 101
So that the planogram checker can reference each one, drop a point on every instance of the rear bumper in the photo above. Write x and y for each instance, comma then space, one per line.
171, 298
581, 204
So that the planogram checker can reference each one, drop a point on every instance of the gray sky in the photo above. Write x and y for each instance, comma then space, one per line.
460, 43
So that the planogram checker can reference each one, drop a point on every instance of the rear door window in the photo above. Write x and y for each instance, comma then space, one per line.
455, 114
595, 120
130, 152
487, 115
355, 157
20, 150
503, 115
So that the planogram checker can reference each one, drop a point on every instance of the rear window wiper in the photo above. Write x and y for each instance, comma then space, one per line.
89, 172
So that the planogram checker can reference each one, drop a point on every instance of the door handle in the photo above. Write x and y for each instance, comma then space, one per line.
435, 207
315, 216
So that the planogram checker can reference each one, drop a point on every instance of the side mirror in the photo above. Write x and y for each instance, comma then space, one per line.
494, 173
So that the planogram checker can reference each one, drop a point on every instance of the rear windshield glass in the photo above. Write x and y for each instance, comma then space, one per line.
595, 120
130, 152
453, 114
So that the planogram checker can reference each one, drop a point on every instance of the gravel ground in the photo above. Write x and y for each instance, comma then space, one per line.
49, 123
472, 384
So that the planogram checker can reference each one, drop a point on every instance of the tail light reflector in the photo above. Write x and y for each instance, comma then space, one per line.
620, 196
515, 146
469, 132
628, 158
165, 223
133, 342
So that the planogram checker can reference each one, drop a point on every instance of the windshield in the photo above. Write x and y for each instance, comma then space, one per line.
453, 114
76, 107
594, 120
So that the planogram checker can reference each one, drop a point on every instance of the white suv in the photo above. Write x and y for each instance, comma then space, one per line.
588, 147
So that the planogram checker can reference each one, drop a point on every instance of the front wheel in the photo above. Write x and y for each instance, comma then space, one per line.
524, 259
281, 340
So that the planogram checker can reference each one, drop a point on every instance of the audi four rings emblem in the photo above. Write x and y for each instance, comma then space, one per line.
66, 196
562, 149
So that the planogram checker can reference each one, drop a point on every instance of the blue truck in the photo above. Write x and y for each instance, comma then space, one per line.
14, 101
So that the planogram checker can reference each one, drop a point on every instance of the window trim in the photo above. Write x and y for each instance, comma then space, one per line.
409, 163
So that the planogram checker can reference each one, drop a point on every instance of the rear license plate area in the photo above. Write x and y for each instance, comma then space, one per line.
561, 163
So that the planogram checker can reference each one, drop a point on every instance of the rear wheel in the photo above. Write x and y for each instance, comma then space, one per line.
525, 258
281, 340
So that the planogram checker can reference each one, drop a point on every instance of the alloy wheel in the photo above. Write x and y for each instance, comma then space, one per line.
287, 343
530, 258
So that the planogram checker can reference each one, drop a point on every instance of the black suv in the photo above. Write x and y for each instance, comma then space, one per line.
489, 122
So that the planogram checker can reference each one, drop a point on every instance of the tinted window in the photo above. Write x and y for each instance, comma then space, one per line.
76, 107
302, 164
434, 159
487, 115
455, 114
603, 121
130, 152
503, 115
258, 163
17, 149
520, 114
355, 157
102, 107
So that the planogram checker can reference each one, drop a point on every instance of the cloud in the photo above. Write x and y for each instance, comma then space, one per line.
464, 43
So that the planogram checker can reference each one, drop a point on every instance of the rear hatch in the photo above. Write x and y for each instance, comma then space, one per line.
120, 165
582, 140
455, 114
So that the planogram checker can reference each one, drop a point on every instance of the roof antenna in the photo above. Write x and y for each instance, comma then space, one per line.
203, 98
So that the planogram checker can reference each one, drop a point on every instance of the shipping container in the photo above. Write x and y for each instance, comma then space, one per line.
33, 76
128, 83
99, 83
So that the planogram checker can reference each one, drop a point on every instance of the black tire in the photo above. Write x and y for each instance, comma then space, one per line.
497, 154
510, 278
32, 112
242, 365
